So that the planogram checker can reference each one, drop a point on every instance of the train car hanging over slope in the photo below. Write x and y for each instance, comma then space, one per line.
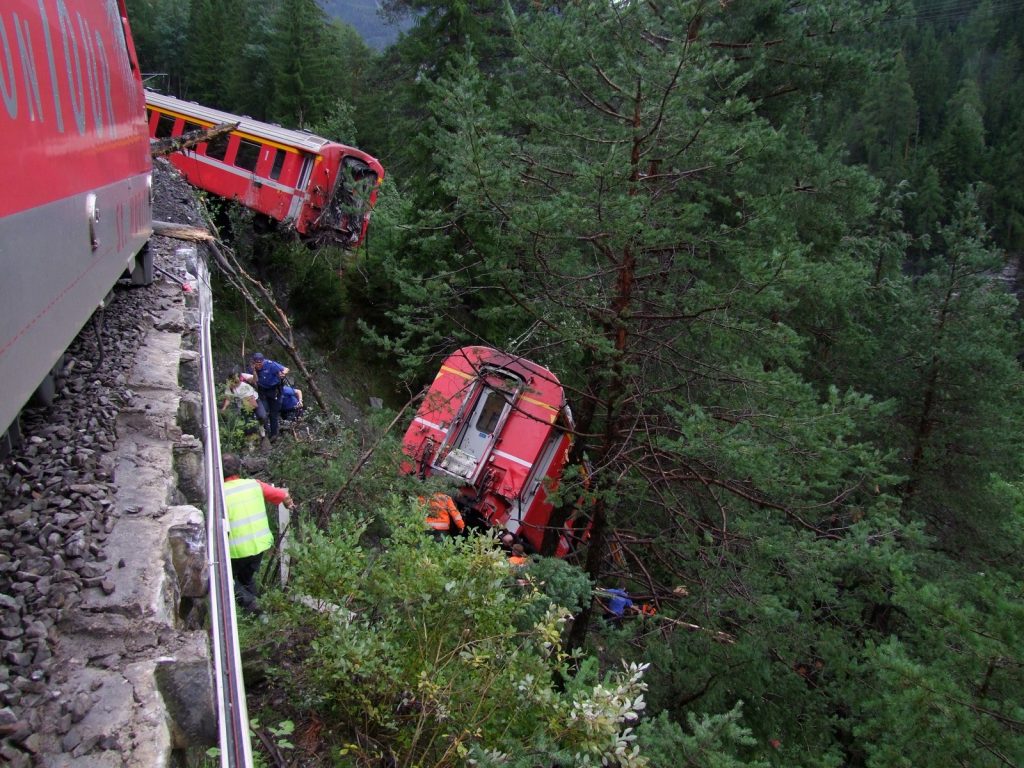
323, 189
500, 425
75, 211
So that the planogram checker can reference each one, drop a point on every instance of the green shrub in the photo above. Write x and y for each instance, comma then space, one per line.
420, 652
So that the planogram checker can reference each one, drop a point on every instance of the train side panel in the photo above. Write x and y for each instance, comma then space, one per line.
533, 511
237, 166
76, 206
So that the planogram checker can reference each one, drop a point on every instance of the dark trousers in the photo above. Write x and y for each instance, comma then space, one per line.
254, 421
244, 570
270, 398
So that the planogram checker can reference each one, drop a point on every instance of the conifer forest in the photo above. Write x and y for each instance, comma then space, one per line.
772, 250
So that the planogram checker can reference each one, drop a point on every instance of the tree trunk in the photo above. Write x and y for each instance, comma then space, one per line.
171, 144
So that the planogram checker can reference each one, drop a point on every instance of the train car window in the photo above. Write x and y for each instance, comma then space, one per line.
306, 172
165, 126
247, 155
275, 172
491, 412
218, 147
189, 127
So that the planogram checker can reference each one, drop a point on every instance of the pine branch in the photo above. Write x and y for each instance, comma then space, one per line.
171, 144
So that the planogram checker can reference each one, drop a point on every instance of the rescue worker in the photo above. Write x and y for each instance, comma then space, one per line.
517, 557
442, 515
249, 534
619, 605
291, 403
269, 375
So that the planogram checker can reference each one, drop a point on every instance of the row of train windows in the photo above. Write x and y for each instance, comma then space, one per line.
246, 156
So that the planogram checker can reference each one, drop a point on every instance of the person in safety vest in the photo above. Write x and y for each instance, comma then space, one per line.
517, 558
442, 515
249, 534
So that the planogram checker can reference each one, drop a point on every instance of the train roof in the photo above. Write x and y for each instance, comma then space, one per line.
475, 358
299, 139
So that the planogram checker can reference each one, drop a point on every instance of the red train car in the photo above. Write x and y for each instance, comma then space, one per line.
501, 425
76, 210
323, 189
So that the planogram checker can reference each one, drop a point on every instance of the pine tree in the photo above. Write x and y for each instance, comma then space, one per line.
159, 33
642, 209
300, 57
956, 372
212, 49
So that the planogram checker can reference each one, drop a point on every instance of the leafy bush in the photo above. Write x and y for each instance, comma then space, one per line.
552, 582
421, 652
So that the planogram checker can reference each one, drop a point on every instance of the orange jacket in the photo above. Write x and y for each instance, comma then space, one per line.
443, 513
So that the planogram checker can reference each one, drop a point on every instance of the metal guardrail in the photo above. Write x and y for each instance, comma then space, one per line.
229, 687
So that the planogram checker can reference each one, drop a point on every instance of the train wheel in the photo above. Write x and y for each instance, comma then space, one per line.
142, 273
47, 388
10, 439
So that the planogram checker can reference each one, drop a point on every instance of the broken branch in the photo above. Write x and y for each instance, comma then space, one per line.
162, 147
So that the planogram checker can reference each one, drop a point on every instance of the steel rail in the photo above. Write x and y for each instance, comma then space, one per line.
229, 687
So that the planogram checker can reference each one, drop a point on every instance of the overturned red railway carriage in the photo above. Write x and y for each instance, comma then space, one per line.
75, 211
323, 189
501, 425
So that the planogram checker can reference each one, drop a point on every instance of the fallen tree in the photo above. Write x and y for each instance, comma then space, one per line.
247, 286
166, 146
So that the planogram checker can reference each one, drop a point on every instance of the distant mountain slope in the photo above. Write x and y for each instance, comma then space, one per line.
362, 15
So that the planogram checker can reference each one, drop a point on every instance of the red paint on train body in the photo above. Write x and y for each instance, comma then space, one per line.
500, 424
325, 190
76, 206
70, 98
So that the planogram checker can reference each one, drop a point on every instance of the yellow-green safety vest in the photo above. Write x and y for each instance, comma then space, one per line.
248, 527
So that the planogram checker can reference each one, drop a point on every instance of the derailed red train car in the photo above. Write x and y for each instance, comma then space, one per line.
501, 425
325, 190
75, 212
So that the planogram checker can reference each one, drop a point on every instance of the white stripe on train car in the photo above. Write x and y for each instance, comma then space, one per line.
247, 175
513, 459
431, 424
297, 197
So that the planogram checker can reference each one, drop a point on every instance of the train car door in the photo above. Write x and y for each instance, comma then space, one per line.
488, 415
489, 410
